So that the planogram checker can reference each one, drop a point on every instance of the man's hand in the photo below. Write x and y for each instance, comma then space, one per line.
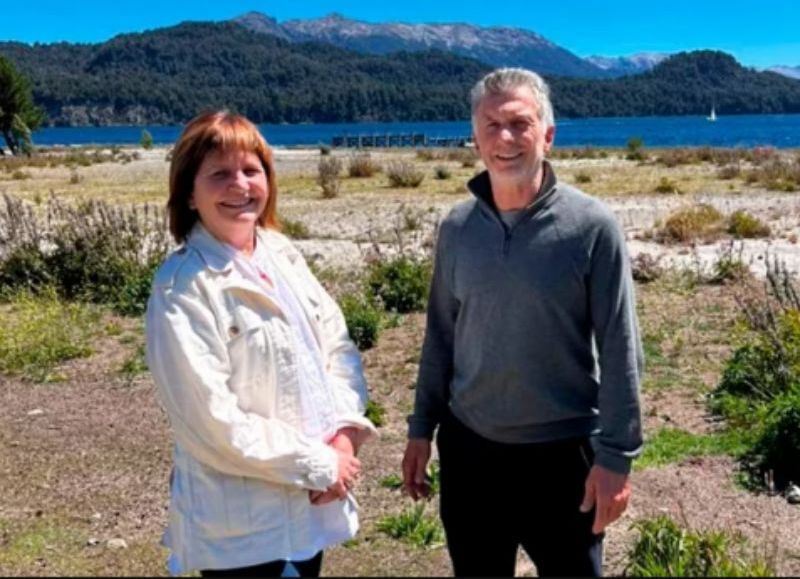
609, 493
415, 461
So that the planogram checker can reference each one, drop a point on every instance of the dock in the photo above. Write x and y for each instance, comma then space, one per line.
397, 140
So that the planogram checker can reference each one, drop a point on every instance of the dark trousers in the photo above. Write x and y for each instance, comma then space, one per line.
307, 568
496, 497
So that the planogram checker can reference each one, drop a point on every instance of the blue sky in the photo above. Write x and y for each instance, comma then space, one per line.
758, 33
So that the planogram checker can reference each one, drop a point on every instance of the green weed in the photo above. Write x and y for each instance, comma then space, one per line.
294, 229
375, 413
664, 549
392, 482
743, 224
40, 332
414, 527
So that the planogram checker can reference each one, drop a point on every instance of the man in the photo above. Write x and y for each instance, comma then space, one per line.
532, 360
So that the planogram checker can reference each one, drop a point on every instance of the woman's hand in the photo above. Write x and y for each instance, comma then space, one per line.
347, 440
349, 471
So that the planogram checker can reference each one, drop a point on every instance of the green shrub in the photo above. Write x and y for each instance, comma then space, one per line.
131, 299
759, 391
664, 549
414, 527
324, 149
645, 268
729, 265
777, 174
666, 185
404, 174
701, 221
146, 140
776, 451
38, 332
92, 252
411, 220
426, 154
375, 413
743, 224
635, 147
729, 172
364, 319
401, 283
362, 165
582, 177
764, 368
442, 172
467, 156
729, 269
24, 268
328, 171
294, 229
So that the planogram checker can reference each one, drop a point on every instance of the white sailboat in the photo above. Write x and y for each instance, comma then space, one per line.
713, 116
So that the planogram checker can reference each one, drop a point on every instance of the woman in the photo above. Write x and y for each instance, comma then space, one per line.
263, 387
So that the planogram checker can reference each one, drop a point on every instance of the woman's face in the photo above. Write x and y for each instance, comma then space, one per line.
230, 192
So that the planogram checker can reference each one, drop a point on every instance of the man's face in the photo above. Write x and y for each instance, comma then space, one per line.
510, 137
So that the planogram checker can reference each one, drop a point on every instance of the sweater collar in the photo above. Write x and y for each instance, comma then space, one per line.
481, 187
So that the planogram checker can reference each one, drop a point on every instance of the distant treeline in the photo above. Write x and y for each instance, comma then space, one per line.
166, 76
685, 84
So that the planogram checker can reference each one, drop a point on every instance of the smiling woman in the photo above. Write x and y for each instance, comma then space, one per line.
230, 193
253, 363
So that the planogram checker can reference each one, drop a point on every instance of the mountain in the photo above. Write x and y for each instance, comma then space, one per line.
496, 46
167, 76
688, 83
790, 71
617, 66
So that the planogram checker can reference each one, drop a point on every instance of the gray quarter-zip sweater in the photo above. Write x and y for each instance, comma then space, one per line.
531, 331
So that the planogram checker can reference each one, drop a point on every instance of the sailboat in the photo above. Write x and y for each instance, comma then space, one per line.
713, 116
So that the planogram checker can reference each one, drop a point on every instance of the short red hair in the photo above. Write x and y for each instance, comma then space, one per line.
207, 133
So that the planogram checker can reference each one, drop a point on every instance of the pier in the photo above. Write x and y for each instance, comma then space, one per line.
397, 140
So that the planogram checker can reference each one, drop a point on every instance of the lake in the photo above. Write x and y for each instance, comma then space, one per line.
782, 131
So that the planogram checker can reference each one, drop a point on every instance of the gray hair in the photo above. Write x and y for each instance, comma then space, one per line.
507, 79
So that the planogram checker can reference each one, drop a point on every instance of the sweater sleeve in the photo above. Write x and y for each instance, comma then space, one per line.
436, 363
191, 368
613, 312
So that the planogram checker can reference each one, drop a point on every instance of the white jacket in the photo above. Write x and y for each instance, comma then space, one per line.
224, 365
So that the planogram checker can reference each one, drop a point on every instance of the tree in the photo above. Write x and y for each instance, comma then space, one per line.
146, 141
19, 117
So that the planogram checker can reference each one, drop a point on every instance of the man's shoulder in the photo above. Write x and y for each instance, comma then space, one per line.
459, 213
585, 209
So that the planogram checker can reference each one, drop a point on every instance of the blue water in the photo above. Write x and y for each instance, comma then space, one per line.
781, 131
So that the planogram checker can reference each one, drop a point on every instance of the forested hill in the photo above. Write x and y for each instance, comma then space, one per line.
166, 76
685, 84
